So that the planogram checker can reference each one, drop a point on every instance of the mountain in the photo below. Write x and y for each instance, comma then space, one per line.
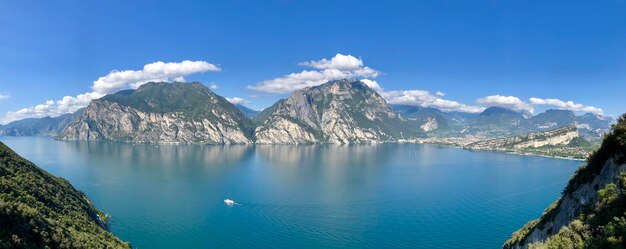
591, 126
46, 126
591, 213
500, 111
497, 122
426, 118
341, 111
162, 113
247, 111
551, 119
38, 210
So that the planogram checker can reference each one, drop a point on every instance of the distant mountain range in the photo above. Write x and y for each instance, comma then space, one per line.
341, 111
501, 122
46, 126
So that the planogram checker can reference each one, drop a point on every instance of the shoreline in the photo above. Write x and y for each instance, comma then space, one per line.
401, 141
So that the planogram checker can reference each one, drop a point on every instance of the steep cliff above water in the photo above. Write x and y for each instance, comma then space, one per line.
162, 113
341, 112
591, 213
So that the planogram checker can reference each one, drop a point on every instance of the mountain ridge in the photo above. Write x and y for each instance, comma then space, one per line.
171, 114
341, 111
162, 113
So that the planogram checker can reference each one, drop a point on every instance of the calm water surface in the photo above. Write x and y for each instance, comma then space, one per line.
366, 196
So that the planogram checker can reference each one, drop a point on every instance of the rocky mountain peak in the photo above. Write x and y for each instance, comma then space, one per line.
159, 112
340, 111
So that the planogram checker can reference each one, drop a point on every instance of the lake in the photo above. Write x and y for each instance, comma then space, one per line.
315, 196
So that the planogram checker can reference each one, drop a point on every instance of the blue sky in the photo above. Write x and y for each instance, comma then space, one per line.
468, 50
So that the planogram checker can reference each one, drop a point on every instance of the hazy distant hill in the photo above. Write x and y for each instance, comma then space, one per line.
425, 118
46, 126
247, 111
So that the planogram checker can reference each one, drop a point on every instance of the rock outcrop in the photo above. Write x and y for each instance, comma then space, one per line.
591, 211
561, 136
339, 112
162, 113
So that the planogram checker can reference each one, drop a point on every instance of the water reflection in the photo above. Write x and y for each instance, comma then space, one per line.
308, 196
163, 155
326, 155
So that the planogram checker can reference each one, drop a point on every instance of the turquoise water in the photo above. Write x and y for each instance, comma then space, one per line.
366, 196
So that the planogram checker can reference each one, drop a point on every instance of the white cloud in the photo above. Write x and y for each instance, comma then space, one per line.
213, 86
372, 84
113, 82
566, 105
339, 62
420, 98
509, 102
4, 96
426, 99
157, 71
238, 100
339, 67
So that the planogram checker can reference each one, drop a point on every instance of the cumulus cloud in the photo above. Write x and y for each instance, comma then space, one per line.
509, 102
340, 62
238, 100
213, 86
427, 99
372, 84
4, 96
421, 98
339, 67
157, 71
566, 105
113, 82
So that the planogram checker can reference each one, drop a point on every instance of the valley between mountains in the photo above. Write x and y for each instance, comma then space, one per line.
337, 112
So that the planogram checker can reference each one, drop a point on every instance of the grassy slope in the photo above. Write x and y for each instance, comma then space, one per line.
39, 210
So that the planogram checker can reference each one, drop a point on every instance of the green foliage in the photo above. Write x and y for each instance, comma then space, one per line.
614, 145
603, 223
603, 226
579, 142
38, 210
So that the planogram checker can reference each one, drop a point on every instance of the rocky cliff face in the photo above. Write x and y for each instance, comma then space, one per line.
162, 113
580, 218
340, 112
561, 136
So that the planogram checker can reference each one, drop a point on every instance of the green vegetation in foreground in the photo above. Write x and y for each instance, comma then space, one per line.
39, 210
601, 224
